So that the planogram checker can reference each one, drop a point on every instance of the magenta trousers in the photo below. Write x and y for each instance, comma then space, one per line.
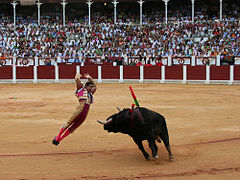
79, 119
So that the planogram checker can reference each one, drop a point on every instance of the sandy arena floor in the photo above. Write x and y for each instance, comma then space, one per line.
203, 123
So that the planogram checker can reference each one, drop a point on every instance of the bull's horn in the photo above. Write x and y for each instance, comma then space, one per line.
101, 122
109, 120
118, 109
106, 122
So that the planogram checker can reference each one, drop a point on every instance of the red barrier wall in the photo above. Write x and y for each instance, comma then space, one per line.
196, 72
5, 72
131, 72
152, 72
174, 72
236, 73
219, 73
110, 72
24, 72
67, 71
46, 72
91, 69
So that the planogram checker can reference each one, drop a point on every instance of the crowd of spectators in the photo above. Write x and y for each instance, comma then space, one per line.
77, 42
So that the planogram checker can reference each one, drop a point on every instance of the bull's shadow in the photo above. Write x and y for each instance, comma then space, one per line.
141, 124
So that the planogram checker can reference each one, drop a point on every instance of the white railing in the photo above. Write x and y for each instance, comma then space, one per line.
166, 60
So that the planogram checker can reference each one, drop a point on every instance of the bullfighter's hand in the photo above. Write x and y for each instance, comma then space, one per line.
87, 76
78, 76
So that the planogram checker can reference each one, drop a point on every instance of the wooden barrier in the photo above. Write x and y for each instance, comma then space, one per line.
179, 73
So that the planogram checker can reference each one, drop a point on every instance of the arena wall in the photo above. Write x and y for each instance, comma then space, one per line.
64, 73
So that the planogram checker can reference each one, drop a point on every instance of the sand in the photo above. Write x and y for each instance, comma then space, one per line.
203, 123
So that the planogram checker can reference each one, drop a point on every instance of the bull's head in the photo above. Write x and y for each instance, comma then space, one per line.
118, 122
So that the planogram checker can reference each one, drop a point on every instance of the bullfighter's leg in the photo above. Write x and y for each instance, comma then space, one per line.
140, 146
65, 127
153, 147
76, 123
165, 139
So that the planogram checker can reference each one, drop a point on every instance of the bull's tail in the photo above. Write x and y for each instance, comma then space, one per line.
163, 134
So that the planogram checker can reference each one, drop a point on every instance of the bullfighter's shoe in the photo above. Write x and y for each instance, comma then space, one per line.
55, 142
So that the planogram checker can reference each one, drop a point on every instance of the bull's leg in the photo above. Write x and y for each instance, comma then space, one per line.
158, 139
140, 146
153, 147
165, 139
156, 148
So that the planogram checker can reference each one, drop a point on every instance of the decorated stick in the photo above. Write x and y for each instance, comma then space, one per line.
134, 97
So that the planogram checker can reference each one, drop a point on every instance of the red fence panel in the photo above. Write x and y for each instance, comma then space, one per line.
91, 69
46, 72
5, 72
67, 71
110, 72
24, 72
219, 72
174, 72
131, 72
196, 72
152, 72
236, 73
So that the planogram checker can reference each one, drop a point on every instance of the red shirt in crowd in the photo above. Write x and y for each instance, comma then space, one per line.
159, 64
148, 64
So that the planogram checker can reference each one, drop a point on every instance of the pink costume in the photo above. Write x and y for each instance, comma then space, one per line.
79, 115
81, 111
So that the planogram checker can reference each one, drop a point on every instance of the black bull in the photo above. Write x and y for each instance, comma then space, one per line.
141, 124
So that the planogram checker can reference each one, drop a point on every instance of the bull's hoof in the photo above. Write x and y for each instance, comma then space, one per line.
171, 158
158, 139
147, 157
154, 158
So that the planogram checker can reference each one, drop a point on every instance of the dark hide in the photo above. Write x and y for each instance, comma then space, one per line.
153, 128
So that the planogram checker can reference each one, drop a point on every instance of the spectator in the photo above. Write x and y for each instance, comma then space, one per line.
47, 62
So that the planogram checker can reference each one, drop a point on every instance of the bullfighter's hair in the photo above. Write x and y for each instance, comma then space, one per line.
89, 83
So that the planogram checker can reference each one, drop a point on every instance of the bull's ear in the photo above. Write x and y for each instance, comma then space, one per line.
118, 109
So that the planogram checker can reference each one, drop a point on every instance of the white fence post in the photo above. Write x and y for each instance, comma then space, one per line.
169, 60
162, 74
14, 74
231, 74
141, 74
218, 60
207, 74
99, 74
56, 74
14, 61
36, 61
78, 69
193, 61
184, 74
35, 74
121, 74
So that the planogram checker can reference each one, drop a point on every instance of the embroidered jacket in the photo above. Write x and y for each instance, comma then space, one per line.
82, 94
